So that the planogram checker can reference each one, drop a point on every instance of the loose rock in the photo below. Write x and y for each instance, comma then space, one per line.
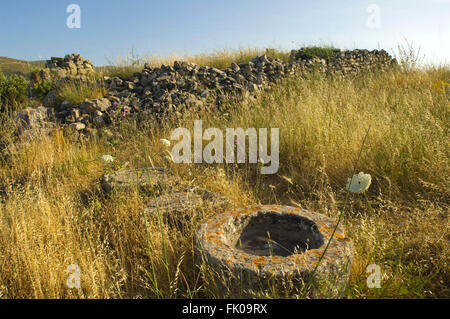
178, 207
145, 179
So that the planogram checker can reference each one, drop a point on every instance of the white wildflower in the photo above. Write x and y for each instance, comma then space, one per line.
107, 159
360, 183
165, 142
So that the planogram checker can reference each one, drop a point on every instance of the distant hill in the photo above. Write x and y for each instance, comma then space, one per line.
13, 66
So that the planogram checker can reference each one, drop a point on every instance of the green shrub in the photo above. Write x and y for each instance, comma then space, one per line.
321, 52
40, 89
13, 91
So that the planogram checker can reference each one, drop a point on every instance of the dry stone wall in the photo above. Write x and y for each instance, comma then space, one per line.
186, 87
72, 65
343, 62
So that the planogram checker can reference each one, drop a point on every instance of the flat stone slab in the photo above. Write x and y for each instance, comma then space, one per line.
276, 242
178, 206
143, 178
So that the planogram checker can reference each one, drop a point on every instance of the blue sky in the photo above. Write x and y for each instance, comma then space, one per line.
33, 30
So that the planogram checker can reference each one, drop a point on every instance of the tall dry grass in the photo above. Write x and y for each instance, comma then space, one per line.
53, 214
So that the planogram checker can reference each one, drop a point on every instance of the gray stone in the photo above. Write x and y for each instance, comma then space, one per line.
35, 120
75, 113
51, 99
129, 85
145, 179
77, 126
235, 67
205, 94
72, 65
92, 106
178, 207
65, 105
99, 121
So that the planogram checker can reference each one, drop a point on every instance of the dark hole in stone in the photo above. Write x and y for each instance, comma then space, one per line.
271, 234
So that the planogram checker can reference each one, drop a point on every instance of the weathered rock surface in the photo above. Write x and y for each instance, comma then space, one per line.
35, 121
179, 206
275, 242
95, 105
145, 179
72, 65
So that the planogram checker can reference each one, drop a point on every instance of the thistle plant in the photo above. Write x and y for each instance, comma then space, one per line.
118, 114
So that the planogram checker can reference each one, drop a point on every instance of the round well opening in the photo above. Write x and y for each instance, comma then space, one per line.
271, 234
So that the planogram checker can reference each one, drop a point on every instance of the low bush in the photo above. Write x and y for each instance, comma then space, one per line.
13, 91
41, 89
325, 52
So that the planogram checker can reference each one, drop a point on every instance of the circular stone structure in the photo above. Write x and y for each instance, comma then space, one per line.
143, 178
275, 242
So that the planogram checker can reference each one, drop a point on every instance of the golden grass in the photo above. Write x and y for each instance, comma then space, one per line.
53, 214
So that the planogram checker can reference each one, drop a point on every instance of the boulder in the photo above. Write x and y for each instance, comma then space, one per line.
51, 99
94, 105
35, 121
77, 126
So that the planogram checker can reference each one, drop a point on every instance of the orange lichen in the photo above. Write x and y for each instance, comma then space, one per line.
297, 259
277, 260
326, 229
316, 252
260, 261
216, 235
